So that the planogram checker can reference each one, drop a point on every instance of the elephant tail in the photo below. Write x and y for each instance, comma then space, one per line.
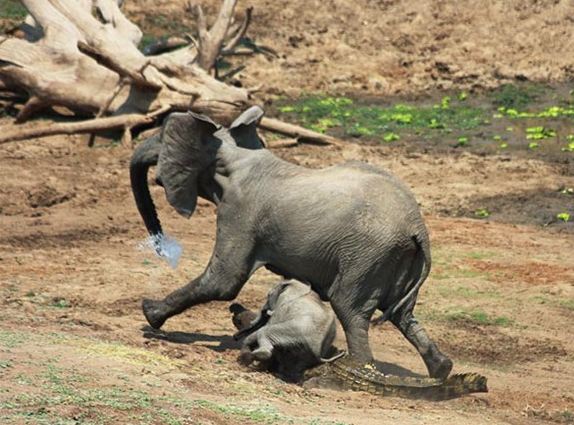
334, 357
145, 155
419, 271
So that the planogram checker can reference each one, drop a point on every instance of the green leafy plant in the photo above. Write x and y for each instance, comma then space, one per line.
565, 217
482, 213
435, 124
533, 145
391, 137
503, 145
462, 141
539, 133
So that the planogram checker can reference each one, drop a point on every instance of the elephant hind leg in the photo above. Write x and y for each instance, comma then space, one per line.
438, 365
355, 320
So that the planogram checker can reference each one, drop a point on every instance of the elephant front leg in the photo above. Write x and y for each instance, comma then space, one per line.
225, 275
256, 347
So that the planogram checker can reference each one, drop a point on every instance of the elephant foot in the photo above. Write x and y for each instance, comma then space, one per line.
440, 367
153, 312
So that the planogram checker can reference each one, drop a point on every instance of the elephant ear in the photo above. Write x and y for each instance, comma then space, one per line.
243, 129
187, 148
273, 296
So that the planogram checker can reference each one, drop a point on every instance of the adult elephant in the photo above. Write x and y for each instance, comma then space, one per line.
353, 231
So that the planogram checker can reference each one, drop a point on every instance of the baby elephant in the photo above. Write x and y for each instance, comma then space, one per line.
293, 332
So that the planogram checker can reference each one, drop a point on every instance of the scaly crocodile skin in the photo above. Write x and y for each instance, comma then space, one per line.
345, 375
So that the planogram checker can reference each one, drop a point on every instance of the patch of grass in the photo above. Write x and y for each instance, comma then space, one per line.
515, 96
567, 304
481, 255
12, 9
478, 317
59, 302
466, 292
10, 339
131, 355
266, 414
5, 364
380, 122
62, 387
458, 273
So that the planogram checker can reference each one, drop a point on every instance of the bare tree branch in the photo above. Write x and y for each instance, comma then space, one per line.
303, 135
240, 33
16, 133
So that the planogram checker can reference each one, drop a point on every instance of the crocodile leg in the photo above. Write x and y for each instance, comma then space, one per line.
438, 365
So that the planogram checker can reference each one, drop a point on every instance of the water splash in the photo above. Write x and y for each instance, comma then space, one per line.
164, 246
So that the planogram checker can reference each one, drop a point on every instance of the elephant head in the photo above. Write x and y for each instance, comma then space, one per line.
185, 151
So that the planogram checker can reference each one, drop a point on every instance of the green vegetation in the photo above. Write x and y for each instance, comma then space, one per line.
467, 292
567, 304
383, 122
539, 133
12, 9
550, 112
478, 317
570, 146
515, 96
10, 339
565, 217
543, 119
482, 255
458, 273
60, 302
482, 213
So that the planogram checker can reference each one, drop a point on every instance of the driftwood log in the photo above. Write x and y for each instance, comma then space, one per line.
83, 55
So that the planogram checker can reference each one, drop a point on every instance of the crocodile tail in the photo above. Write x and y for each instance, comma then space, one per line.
420, 269
457, 386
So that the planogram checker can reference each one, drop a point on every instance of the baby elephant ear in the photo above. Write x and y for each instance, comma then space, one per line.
274, 294
182, 157
243, 129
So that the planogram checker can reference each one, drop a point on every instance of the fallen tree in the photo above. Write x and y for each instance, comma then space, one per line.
83, 55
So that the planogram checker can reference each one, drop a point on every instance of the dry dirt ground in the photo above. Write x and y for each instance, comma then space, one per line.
389, 47
74, 347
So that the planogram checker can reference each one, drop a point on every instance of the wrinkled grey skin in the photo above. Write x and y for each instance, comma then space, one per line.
293, 332
353, 232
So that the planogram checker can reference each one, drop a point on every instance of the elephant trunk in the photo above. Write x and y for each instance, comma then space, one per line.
144, 157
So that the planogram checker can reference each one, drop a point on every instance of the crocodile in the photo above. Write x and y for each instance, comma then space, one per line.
347, 374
